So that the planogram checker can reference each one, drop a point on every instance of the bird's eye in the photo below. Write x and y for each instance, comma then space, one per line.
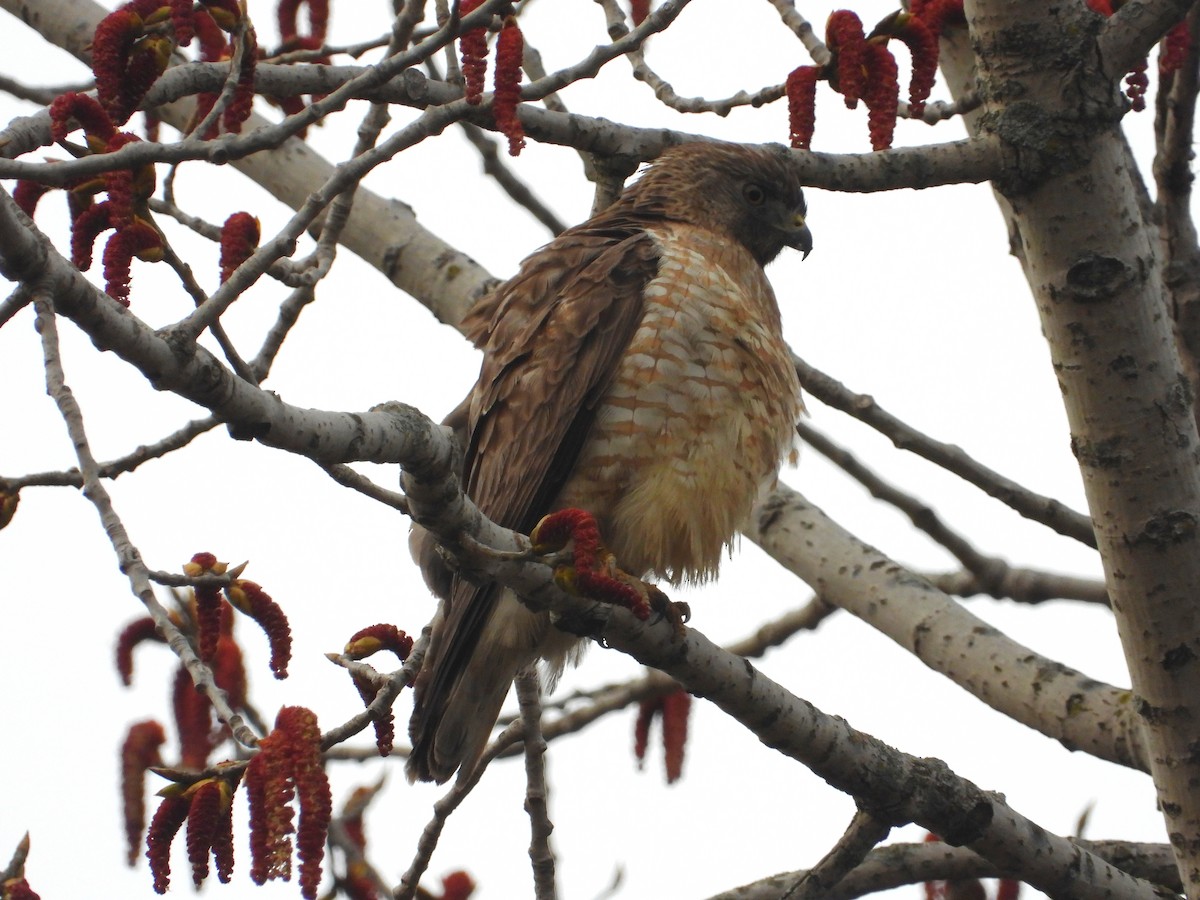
754, 194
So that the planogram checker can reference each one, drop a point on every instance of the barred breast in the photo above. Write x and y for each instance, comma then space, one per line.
700, 413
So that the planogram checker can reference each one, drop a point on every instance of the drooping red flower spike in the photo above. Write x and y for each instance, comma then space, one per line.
882, 94
801, 87
213, 43
638, 10
846, 42
138, 753
229, 672
128, 190
242, 102
675, 709
140, 239
289, 766
510, 45
383, 723
168, 819
193, 722
318, 21
593, 572
472, 45
208, 602
371, 640
112, 44
131, 635
922, 47
26, 195
89, 115
210, 828
967, 887
937, 14
239, 239
93, 221
249, 598
148, 59
183, 21
207, 807
1175, 46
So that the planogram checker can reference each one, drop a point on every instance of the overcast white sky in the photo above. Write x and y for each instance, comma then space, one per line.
909, 296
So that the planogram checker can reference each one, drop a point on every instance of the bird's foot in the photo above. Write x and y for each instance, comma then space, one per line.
593, 571
676, 612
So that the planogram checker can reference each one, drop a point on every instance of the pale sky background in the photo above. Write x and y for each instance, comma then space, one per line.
909, 296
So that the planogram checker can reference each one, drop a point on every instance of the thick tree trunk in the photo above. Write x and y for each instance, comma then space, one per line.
1092, 262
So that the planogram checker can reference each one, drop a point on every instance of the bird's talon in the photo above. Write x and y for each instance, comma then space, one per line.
677, 613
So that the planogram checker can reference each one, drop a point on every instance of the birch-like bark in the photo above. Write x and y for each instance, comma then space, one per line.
1094, 269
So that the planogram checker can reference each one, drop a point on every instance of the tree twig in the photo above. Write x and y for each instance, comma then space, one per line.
1046, 510
128, 556
898, 865
541, 854
444, 808
988, 574
861, 837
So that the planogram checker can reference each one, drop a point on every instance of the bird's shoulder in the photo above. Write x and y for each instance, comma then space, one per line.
604, 260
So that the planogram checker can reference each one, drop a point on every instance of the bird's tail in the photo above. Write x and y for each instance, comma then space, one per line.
461, 689
456, 734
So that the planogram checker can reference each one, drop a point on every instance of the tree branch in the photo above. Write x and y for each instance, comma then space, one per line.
1076, 710
529, 696
897, 865
1132, 31
1046, 510
864, 833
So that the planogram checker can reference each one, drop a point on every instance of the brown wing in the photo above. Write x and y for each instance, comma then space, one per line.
552, 337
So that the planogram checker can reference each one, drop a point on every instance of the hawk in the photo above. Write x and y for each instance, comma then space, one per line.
634, 368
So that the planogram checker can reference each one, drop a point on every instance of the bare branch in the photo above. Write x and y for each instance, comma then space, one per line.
517, 190
1045, 510
43, 96
128, 557
982, 574
864, 833
1174, 126
347, 477
20, 298
986, 569
123, 464
1070, 707
665, 93
924, 790
541, 855
802, 28
445, 807
1131, 33
1024, 586
897, 865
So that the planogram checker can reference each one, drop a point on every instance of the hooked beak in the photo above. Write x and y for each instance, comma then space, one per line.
798, 236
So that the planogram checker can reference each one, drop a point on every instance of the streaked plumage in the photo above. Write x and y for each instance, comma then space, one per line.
634, 368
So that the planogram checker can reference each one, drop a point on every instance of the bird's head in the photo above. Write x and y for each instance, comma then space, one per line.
753, 194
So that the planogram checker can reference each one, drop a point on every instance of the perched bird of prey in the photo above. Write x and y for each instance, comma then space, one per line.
633, 368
